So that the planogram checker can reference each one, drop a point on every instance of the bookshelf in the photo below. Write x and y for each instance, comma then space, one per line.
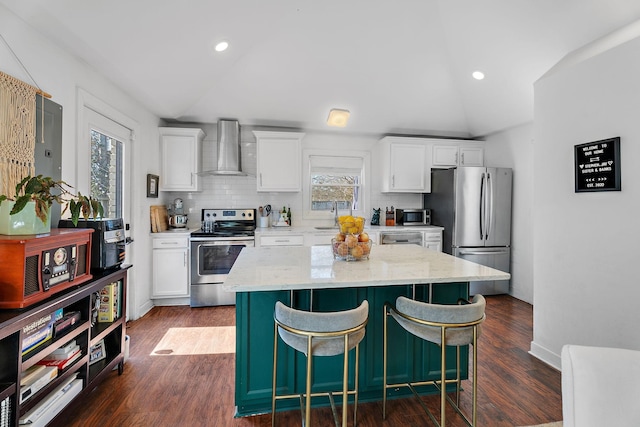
17, 325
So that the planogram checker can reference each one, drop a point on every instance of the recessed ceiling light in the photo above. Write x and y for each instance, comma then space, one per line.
338, 118
223, 45
478, 75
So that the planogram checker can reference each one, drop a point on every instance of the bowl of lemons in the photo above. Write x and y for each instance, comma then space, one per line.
351, 243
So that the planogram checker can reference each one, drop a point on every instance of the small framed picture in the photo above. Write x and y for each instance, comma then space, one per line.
97, 352
152, 185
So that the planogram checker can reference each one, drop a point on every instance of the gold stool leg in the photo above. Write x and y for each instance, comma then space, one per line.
443, 379
345, 381
273, 384
458, 380
384, 363
474, 415
355, 381
307, 412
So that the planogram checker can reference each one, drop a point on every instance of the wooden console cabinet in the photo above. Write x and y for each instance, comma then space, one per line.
109, 337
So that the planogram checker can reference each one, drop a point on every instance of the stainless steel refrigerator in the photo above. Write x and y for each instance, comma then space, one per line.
473, 204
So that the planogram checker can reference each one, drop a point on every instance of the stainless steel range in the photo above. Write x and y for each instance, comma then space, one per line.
214, 249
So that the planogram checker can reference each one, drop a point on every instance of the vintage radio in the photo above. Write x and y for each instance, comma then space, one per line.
35, 267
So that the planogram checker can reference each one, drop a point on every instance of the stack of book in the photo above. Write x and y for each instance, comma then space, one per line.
63, 357
34, 379
109, 303
40, 331
43, 412
5, 413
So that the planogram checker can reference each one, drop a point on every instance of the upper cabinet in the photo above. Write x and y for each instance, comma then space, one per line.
181, 151
279, 161
405, 165
455, 153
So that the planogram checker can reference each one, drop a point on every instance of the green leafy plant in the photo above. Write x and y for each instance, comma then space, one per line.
45, 190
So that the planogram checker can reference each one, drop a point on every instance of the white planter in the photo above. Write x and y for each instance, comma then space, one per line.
24, 222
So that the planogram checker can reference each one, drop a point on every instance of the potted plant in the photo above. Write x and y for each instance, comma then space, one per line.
40, 192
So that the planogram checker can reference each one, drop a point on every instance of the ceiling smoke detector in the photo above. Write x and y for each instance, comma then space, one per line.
338, 118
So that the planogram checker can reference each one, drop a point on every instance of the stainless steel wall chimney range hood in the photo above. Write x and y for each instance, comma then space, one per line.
228, 149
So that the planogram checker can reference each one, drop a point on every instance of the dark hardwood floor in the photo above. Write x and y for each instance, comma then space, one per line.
515, 389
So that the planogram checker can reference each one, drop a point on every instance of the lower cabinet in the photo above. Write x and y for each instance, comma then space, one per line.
433, 240
280, 240
170, 267
409, 358
93, 344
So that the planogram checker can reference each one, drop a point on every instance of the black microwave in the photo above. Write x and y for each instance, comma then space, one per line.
413, 217
108, 241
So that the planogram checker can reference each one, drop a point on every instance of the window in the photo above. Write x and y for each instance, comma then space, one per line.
334, 179
108, 150
106, 173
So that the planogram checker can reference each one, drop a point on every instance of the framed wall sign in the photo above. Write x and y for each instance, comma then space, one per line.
152, 185
597, 166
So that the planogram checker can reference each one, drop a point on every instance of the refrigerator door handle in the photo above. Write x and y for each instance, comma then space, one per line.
489, 206
497, 252
481, 209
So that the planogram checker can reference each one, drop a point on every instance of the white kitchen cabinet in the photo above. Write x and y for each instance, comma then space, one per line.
432, 239
405, 165
280, 240
181, 152
321, 238
279, 161
450, 155
170, 267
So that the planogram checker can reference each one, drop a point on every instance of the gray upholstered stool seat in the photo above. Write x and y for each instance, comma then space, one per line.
320, 334
455, 325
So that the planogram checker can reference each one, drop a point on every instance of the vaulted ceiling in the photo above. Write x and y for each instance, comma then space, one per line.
399, 66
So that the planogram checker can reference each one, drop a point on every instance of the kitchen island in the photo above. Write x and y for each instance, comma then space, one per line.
309, 278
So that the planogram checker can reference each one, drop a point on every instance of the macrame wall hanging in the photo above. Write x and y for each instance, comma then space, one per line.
17, 128
17, 132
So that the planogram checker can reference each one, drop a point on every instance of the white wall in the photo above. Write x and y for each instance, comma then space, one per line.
585, 245
62, 75
513, 148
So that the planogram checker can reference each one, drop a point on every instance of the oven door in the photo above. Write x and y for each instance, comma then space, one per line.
211, 260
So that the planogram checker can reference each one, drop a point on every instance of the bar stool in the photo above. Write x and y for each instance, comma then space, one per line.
453, 325
320, 334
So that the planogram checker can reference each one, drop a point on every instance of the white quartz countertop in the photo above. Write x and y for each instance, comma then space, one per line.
173, 232
321, 230
313, 267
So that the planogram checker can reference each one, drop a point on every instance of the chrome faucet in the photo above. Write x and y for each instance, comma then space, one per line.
334, 209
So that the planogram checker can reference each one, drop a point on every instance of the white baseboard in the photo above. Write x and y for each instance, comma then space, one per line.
172, 301
547, 356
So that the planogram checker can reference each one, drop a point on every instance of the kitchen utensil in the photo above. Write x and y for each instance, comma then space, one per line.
267, 209
261, 210
178, 221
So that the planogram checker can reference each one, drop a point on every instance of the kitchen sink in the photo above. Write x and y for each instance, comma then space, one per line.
330, 227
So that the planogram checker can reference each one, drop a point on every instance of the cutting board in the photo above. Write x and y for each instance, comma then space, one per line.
159, 218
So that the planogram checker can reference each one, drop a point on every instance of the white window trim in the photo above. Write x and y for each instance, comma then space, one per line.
365, 187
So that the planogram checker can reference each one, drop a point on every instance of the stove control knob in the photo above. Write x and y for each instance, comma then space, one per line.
244, 214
